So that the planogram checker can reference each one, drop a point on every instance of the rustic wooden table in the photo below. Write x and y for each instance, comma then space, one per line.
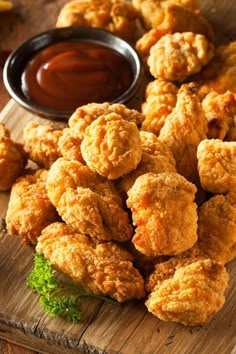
25, 20
31, 17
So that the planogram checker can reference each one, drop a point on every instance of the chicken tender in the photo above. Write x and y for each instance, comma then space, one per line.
164, 213
103, 269
166, 270
220, 111
41, 142
177, 56
116, 16
29, 209
161, 97
193, 295
13, 159
156, 157
183, 130
217, 165
217, 227
111, 146
87, 201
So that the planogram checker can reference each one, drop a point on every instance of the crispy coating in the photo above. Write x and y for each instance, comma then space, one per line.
220, 111
111, 146
69, 145
164, 213
85, 115
177, 56
166, 270
69, 142
113, 15
87, 201
160, 100
217, 227
29, 209
217, 165
155, 13
192, 296
104, 269
174, 18
220, 74
183, 130
156, 157
41, 143
13, 159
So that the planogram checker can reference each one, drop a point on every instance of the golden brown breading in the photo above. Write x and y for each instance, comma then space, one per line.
113, 15
104, 268
160, 100
85, 115
156, 157
192, 296
13, 159
220, 111
183, 130
164, 213
41, 142
220, 74
87, 201
176, 56
167, 269
69, 145
156, 13
111, 146
217, 165
29, 209
217, 227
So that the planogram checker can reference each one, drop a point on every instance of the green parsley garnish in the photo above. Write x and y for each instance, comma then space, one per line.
54, 297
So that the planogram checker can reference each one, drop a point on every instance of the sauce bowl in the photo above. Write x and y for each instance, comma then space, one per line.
23, 56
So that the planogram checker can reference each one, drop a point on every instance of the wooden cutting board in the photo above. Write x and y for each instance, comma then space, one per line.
105, 328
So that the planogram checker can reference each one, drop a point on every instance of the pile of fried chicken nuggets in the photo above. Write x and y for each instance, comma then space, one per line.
134, 204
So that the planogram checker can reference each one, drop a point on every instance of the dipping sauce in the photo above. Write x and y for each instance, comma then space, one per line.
69, 74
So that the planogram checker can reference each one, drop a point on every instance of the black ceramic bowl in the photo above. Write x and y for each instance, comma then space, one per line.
17, 61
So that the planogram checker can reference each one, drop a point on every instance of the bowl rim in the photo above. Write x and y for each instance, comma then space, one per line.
57, 35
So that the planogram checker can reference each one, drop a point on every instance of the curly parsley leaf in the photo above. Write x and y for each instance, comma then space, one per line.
54, 298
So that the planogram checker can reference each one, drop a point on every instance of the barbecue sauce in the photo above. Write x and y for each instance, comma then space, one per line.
66, 75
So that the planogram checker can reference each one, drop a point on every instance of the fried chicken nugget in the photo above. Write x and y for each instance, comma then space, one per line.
217, 165
154, 13
13, 159
87, 201
29, 209
217, 227
156, 157
41, 142
69, 142
192, 296
220, 74
103, 269
166, 270
111, 146
113, 15
183, 130
174, 18
177, 56
164, 213
220, 111
160, 100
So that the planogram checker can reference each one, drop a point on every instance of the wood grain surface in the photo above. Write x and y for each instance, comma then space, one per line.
125, 329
